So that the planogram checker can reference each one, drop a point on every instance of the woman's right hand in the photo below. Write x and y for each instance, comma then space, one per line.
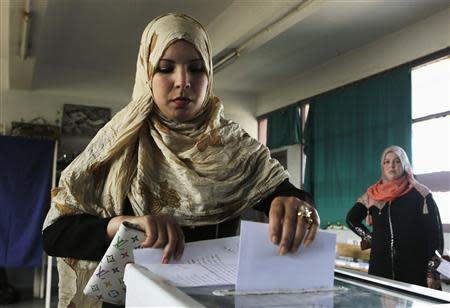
162, 231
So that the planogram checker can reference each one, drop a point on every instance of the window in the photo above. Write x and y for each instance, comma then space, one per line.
431, 130
281, 131
262, 131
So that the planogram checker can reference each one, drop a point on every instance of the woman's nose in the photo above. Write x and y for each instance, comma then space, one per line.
182, 80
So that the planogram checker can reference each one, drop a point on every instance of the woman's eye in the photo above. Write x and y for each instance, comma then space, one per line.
197, 69
164, 69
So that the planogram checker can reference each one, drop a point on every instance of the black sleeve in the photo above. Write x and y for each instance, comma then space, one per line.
433, 228
79, 236
354, 221
285, 189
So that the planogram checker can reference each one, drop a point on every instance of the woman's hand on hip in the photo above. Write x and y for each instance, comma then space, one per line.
290, 221
162, 231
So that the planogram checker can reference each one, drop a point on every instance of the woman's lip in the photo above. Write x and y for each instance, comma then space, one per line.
181, 101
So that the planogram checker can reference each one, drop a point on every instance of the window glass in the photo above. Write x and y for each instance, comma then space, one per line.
431, 137
430, 88
262, 131
431, 145
442, 200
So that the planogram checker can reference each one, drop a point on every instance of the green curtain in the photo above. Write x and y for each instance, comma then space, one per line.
346, 131
283, 127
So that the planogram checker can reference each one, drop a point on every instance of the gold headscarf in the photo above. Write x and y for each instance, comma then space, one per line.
202, 172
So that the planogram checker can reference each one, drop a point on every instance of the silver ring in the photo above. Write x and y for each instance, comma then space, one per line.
305, 213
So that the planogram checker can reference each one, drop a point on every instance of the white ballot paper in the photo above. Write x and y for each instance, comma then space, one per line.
261, 268
444, 268
211, 262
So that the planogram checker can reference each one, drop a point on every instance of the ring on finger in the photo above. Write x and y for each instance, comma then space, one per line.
306, 214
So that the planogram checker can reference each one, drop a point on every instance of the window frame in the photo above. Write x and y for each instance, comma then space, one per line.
430, 117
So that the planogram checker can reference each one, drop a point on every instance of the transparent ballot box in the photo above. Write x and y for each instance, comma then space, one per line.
351, 289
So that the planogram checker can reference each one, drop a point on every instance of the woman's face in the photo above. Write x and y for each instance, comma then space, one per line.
180, 82
392, 167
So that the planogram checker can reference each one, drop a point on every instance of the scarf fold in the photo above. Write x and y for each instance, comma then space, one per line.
388, 191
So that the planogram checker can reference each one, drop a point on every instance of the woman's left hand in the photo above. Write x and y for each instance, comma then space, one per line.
289, 223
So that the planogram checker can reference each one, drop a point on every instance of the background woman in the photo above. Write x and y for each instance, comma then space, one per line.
170, 163
406, 224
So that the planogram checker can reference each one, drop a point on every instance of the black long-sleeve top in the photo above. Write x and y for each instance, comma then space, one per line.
406, 233
84, 236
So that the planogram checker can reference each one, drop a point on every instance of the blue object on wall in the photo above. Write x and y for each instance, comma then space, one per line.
25, 184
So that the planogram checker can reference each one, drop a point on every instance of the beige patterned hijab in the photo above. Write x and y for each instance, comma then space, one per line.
202, 172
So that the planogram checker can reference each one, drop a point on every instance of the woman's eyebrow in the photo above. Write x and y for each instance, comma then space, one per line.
173, 61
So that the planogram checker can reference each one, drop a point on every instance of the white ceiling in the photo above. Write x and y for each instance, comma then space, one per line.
102, 36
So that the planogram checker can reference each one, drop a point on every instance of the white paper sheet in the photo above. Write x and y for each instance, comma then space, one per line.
203, 263
261, 268
444, 268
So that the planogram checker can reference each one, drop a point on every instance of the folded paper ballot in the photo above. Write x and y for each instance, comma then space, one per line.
106, 284
261, 268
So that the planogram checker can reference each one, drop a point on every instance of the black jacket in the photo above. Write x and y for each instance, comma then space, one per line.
406, 233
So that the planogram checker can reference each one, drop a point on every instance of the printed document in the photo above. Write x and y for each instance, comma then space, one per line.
211, 262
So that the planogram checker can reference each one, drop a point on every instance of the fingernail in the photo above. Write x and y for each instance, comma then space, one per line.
306, 243
282, 250
274, 239
164, 261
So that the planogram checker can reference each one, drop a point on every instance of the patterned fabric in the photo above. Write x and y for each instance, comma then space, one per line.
107, 283
201, 172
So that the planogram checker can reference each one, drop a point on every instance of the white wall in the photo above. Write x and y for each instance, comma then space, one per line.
241, 108
410, 43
